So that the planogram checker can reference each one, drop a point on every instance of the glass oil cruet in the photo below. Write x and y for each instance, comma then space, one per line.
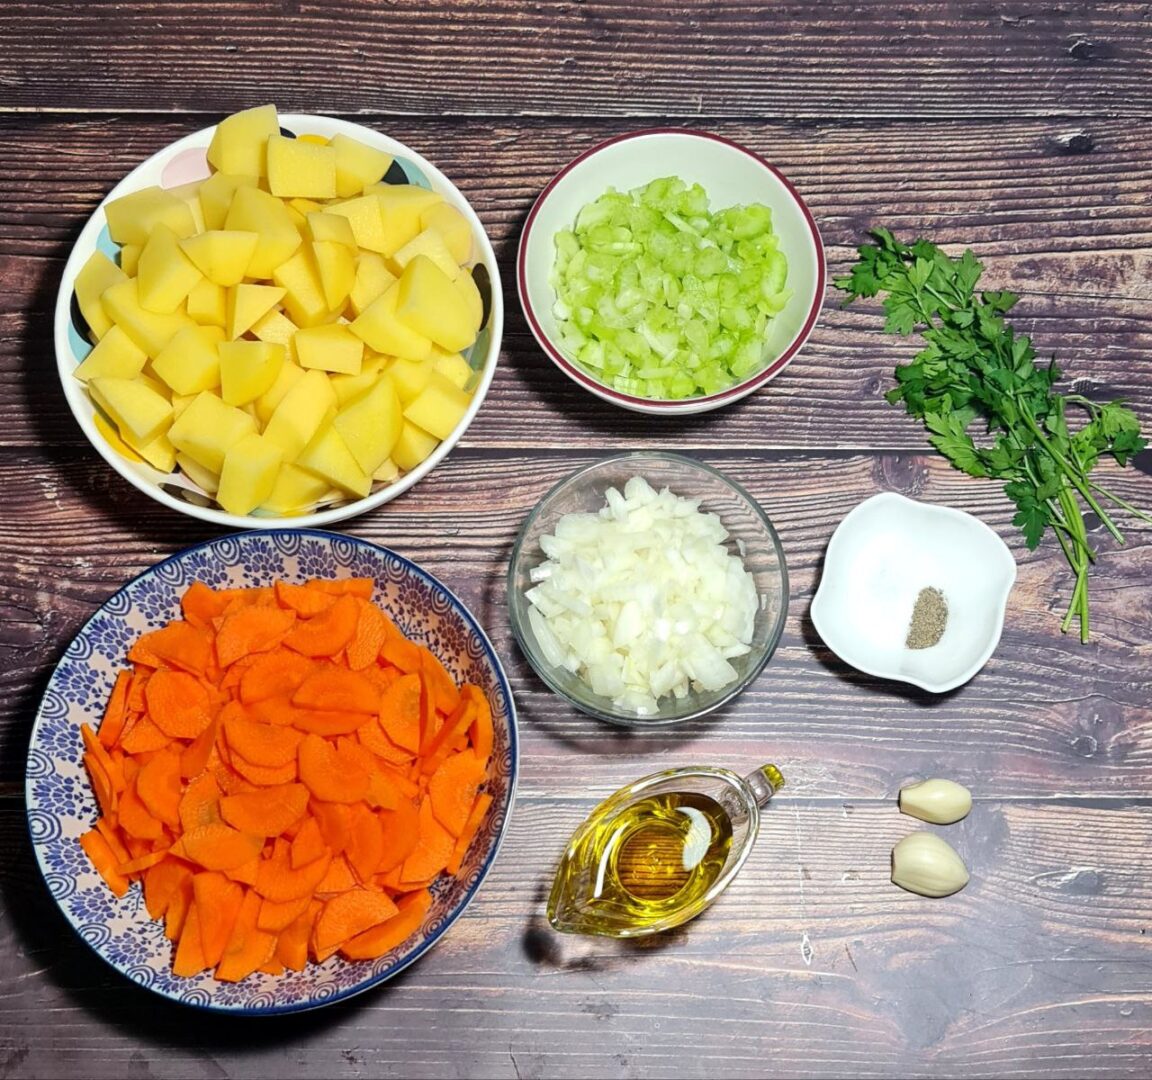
659, 851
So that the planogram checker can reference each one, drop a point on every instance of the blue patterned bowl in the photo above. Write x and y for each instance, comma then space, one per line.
61, 805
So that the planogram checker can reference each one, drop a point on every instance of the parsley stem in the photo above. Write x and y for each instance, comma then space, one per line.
1113, 497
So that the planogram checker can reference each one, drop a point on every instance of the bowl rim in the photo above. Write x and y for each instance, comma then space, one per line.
934, 686
75, 394
704, 402
501, 677
600, 711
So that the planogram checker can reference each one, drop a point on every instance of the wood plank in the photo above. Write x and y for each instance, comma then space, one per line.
598, 57
1046, 716
1023, 210
812, 962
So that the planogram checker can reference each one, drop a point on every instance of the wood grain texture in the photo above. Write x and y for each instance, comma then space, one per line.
576, 58
1067, 230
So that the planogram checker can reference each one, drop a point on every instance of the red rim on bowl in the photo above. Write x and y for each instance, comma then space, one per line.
694, 404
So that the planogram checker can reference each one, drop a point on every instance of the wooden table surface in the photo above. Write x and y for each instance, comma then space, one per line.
1021, 130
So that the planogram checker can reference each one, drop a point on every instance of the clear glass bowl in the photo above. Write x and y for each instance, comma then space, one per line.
751, 535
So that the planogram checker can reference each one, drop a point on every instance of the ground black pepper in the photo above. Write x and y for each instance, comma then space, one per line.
929, 618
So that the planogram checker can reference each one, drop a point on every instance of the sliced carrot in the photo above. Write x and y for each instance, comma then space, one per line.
327, 633
331, 775
218, 901
217, 846
161, 883
334, 822
143, 736
189, 958
338, 879
159, 786
252, 629
264, 775
481, 731
177, 911
262, 744
452, 790
400, 829
380, 939
348, 914
107, 797
132, 867
267, 812
277, 710
248, 947
366, 843
292, 943
177, 645
307, 844
104, 860
200, 802
136, 686
275, 917
404, 654
111, 833
338, 689
245, 873
178, 704
445, 693
305, 600
115, 712
373, 628
277, 881
471, 828
272, 674
202, 604
400, 712
373, 737
433, 848
456, 724
327, 722
356, 586
194, 758
135, 819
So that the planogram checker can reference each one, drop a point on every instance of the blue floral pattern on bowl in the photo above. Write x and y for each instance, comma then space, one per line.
61, 805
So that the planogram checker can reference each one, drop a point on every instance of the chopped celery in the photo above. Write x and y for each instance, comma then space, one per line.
659, 297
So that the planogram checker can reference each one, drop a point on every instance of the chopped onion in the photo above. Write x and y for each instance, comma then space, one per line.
643, 599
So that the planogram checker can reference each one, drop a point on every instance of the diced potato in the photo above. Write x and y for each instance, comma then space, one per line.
112, 437
336, 265
190, 362
372, 280
239, 142
381, 329
245, 304
466, 286
400, 208
364, 216
165, 274
208, 428
304, 291
254, 210
180, 402
453, 367
295, 491
276, 327
371, 424
304, 207
95, 276
453, 227
439, 408
428, 303
387, 472
349, 387
190, 194
411, 376
116, 355
324, 226
298, 169
133, 218
328, 456
150, 330
221, 255
204, 478
413, 446
207, 303
289, 375
130, 258
159, 452
248, 369
249, 474
357, 165
302, 410
216, 195
430, 244
329, 348
136, 409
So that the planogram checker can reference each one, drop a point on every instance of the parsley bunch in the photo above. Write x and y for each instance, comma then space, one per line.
976, 373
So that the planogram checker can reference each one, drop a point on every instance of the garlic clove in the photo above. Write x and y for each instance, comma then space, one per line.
941, 802
923, 863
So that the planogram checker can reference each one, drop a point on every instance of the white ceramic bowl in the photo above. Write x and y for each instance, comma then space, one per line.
880, 557
731, 175
183, 162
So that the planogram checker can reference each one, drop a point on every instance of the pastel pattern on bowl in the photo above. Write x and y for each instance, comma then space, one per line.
731, 175
879, 559
184, 161
61, 805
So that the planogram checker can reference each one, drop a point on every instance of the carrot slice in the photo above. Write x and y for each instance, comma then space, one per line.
178, 704
331, 774
292, 944
378, 940
189, 949
400, 712
135, 819
326, 722
143, 736
404, 654
365, 843
445, 693
471, 828
103, 859
334, 822
348, 914
303, 599
327, 633
267, 812
338, 689
361, 587
373, 738
458, 723
248, 947
115, 712
277, 881
252, 629
217, 846
433, 849
177, 645
158, 785
272, 674
178, 906
275, 917
269, 745
264, 775
112, 835
194, 758
373, 628
481, 732
307, 844
202, 604
218, 901
161, 883
452, 790
338, 879
400, 829
131, 867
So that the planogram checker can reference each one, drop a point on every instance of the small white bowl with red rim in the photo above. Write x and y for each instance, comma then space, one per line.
731, 175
